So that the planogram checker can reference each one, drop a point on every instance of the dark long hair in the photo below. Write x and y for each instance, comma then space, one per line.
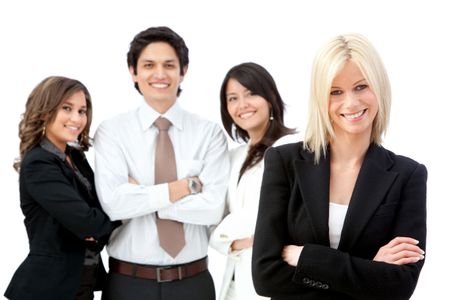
259, 81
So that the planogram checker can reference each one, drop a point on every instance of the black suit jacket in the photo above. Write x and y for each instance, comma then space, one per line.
59, 213
388, 200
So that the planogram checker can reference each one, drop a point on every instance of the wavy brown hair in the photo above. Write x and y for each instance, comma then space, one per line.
41, 109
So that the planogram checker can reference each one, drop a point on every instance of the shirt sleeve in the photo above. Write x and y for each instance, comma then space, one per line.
120, 199
205, 208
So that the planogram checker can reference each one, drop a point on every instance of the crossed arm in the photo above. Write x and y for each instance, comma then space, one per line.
399, 251
122, 199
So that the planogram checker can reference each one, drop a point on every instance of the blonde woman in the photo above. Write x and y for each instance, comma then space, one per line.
340, 216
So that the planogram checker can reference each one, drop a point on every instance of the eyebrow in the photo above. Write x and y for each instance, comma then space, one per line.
356, 83
152, 60
66, 102
359, 81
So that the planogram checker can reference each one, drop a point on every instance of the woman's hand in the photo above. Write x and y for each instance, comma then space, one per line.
132, 180
240, 244
291, 254
400, 251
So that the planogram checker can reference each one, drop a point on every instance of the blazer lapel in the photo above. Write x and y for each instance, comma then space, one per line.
373, 182
314, 184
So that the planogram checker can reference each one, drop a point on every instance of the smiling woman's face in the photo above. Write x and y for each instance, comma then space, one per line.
352, 104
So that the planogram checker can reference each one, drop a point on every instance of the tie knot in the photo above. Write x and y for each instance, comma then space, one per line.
162, 123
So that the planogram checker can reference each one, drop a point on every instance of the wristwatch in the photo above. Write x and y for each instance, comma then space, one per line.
194, 186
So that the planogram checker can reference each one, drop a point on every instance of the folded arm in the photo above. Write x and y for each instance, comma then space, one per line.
119, 198
234, 233
206, 207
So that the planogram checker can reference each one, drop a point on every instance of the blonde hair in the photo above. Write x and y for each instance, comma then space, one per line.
41, 109
327, 63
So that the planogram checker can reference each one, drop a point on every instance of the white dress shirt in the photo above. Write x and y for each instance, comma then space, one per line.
242, 208
125, 146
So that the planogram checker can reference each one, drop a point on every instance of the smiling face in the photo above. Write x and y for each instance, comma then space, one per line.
70, 120
158, 75
248, 111
352, 104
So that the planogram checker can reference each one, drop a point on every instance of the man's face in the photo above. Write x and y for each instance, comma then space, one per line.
158, 75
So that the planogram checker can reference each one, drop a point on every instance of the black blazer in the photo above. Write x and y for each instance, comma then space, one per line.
389, 200
59, 214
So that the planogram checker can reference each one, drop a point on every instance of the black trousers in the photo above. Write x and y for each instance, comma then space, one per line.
87, 283
123, 287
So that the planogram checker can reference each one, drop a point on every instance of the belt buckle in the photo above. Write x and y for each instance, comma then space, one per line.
158, 274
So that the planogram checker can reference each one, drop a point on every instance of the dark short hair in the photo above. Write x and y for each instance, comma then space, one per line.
157, 34
258, 80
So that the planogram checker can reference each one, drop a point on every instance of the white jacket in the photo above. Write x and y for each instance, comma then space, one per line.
239, 222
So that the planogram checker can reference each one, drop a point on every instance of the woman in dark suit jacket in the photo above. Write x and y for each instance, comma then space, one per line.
340, 217
65, 224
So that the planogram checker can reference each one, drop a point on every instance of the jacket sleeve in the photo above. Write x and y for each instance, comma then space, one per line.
233, 227
272, 277
45, 182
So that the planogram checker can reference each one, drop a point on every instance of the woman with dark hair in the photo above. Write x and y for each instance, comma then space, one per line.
66, 226
252, 111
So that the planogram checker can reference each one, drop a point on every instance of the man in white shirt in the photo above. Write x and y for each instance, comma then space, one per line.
141, 267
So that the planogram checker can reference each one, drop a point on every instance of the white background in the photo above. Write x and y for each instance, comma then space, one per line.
88, 40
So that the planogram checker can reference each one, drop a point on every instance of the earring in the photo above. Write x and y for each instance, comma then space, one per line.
43, 131
271, 116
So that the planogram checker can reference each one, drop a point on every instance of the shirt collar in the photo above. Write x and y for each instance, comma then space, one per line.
48, 146
147, 116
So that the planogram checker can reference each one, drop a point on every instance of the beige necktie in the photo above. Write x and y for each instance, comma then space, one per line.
171, 233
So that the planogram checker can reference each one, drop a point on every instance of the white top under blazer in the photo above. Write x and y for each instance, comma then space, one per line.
336, 222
